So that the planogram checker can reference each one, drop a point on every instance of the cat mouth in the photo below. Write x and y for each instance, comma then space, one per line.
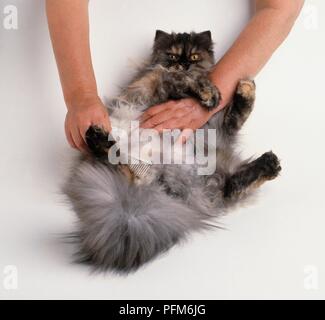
179, 67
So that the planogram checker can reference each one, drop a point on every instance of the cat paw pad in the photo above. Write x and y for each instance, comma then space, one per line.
246, 89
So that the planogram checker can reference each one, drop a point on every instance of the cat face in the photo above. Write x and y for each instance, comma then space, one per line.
183, 51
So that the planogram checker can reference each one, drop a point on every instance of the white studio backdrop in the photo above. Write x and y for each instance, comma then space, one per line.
271, 249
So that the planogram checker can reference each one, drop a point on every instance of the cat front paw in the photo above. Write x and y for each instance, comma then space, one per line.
209, 95
270, 165
246, 89
97, 141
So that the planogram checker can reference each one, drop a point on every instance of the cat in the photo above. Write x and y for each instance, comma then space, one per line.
123, 224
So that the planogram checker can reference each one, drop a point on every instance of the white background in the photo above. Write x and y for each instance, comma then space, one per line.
267, 246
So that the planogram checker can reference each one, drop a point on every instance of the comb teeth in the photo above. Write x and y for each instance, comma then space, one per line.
140, 170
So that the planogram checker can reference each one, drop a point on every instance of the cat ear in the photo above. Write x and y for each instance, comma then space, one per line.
161, 34
206, 35
204, 40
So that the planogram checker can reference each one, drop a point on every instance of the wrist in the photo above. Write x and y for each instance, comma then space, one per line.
226, 87
80, 98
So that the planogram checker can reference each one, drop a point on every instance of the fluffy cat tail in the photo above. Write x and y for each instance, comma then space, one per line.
123, 226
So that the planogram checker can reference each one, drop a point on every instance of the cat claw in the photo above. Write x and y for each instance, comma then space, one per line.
210, 97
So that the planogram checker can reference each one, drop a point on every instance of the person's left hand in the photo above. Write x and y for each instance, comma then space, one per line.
175, 114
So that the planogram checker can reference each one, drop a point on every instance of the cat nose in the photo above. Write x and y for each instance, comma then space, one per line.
179, 67
186, 66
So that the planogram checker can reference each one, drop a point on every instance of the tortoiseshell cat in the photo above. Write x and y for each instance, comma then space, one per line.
123, 224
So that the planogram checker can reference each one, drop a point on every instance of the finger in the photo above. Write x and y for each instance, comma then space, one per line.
82, 132
179, 109
69, 136
184, 136
219, 108
70, 140
107, 124
187, 103
170, 125
152, 111
184, 122
163, 117
79, 141
84, 146
104, 122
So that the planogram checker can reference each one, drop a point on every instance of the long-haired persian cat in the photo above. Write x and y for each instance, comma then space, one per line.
128, 216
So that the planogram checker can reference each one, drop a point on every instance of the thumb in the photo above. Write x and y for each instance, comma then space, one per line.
107, 124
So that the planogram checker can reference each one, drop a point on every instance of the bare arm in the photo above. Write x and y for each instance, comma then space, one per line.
265, 32
262, 36
69, 29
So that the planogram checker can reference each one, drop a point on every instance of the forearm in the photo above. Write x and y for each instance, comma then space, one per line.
69, 29
263, 35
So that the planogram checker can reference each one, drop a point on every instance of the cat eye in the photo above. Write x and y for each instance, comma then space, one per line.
173, 57
195, 57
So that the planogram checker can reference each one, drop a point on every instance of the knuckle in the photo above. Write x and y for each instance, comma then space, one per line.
154, 121
179, 113
79, 144
80, 118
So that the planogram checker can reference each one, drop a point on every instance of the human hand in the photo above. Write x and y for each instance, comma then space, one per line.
83, 113
175, 114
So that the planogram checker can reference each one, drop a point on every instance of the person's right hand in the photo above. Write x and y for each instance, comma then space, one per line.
81, 115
